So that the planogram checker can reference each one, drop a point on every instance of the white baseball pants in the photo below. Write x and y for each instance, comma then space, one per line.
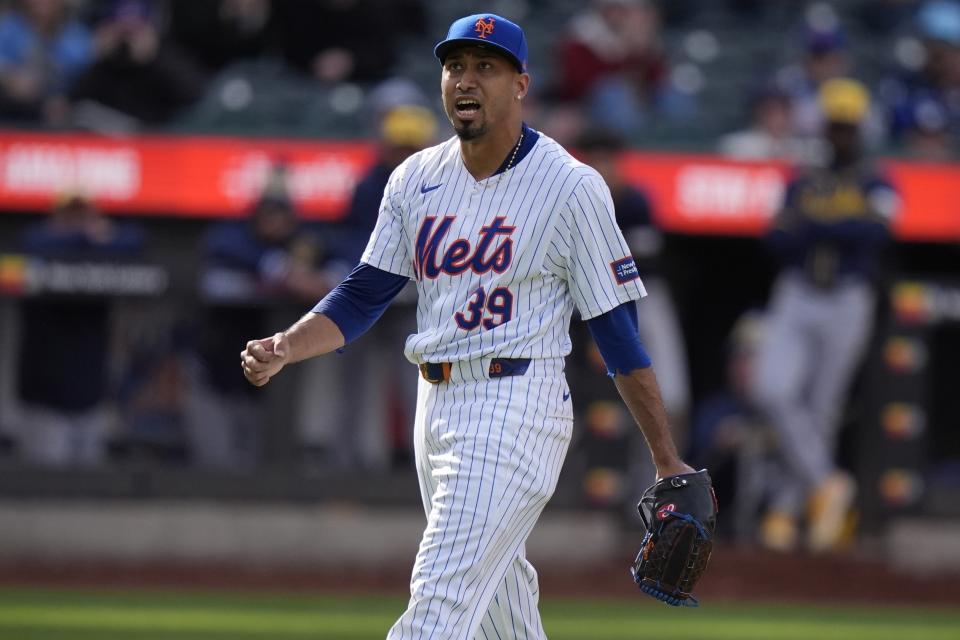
488, 455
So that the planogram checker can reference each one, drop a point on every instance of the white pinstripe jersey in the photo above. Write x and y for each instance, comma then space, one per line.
500, 263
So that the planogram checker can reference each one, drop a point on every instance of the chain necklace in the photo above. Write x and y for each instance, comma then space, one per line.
513, 156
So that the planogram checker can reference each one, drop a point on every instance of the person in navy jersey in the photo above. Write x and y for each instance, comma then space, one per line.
251, 268
829, 237
65, 414
729, 436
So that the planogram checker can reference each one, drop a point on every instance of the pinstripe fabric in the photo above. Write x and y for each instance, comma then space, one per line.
565, 240
500, 265
488, 455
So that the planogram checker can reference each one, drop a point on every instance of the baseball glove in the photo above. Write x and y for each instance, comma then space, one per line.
680, 515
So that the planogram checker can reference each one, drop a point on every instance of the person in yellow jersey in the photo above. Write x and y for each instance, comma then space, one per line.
828, 237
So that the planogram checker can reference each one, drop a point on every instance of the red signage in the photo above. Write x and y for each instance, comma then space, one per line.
712, 195
706, 194
176, 176
220, 177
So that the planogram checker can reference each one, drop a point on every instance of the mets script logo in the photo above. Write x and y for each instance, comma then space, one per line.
493, 252
484, 27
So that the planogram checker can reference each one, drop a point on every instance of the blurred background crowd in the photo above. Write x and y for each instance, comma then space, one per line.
737, 75
759, 345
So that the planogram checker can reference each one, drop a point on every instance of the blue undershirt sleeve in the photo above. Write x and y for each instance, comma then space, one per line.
359, 301
616, 335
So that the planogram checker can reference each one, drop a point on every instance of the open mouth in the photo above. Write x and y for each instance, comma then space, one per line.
467, 108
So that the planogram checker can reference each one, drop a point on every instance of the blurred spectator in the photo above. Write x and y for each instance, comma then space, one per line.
826, 56
271, 255
220, 32
377, 433
154, 400
398, 91
612, 61
249, 268
347, 40
730, 437
65, 342
137, 73
681, 13
403, 130
770, 135
828, 236
932, 91
658, 321
659, 325
42, 50
884, 17
927, 135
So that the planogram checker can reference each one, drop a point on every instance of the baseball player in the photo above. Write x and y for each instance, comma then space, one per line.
829, 236
504, 233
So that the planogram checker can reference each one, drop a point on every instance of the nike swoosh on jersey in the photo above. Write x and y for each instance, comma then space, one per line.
425, 189
566, 396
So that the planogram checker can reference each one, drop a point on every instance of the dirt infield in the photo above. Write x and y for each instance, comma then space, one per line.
735, 574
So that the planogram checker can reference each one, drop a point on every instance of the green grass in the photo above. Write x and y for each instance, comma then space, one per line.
41, 614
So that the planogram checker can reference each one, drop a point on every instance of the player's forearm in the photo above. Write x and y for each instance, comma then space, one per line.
312, 335
641, 394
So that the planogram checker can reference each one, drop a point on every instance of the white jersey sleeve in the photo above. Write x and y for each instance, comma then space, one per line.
388, 247
600, 272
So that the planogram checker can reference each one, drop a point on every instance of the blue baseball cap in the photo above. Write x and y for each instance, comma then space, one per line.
487, 30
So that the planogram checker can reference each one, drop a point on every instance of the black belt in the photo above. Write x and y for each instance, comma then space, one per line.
437, 372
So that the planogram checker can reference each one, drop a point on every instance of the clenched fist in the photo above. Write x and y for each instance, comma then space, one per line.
263, 359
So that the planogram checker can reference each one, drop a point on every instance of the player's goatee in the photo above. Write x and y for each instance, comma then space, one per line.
465, 132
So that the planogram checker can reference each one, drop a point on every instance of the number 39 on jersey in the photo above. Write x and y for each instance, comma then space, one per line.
493, 252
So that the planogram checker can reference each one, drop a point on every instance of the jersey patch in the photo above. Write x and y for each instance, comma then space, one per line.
624, 270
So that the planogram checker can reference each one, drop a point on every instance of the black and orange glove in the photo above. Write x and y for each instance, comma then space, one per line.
680, 515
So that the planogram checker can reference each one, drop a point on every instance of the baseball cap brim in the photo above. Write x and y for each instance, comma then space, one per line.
443, 49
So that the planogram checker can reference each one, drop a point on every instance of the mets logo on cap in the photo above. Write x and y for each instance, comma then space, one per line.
484, 27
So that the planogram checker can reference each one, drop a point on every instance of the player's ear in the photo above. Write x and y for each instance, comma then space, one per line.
522, 86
